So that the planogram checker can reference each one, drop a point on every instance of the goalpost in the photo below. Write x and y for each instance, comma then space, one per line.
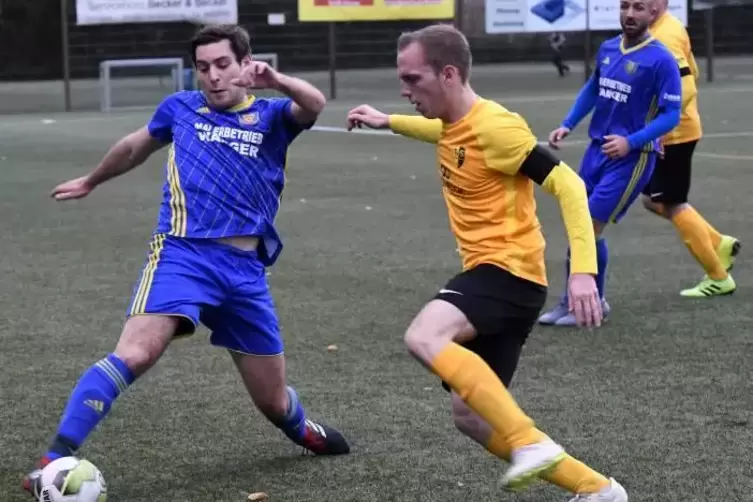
179, 74
139, 86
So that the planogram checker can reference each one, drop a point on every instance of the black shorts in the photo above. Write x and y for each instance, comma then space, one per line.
670, 183
503, 309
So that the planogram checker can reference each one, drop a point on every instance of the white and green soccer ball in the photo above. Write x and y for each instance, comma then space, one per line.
71, 479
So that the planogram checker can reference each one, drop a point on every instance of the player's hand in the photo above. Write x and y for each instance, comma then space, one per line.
584, 300
257, 75
556, 137
73, 189
368, 116
616, 146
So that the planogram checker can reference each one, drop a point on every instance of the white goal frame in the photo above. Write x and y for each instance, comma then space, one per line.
270, 57
176, 72
105, 75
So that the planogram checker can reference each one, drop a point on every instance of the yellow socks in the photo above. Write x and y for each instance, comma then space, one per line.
701, 239
480, 388
570, 474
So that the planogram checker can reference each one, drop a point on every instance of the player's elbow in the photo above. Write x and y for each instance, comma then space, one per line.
316, 104
138, 146
564, 183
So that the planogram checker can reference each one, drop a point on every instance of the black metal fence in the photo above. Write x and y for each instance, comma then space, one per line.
30, 39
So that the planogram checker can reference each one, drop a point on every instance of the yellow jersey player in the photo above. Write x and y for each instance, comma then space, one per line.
471, 333
667, 193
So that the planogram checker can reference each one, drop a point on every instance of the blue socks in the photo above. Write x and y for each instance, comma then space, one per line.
293, 424
89, 403
602, 259
102, 383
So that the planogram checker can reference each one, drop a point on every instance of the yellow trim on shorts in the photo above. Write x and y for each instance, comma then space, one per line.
147, 276
638, 170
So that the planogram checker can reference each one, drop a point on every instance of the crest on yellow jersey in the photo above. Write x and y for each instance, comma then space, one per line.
460, 156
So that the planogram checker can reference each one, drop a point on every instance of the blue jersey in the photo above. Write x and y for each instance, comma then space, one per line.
225, 169
634, 84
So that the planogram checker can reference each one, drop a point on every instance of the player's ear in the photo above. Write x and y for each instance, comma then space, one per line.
245, 61
448, 73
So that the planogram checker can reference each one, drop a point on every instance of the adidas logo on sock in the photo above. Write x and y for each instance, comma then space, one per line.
97, 406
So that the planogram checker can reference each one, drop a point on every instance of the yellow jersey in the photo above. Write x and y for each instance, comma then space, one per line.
670, 31
491, 206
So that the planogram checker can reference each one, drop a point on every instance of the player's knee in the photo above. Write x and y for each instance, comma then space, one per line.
137, 358
143, 341
654, 207
438, 324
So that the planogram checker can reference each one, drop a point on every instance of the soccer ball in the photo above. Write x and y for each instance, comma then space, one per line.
71, 479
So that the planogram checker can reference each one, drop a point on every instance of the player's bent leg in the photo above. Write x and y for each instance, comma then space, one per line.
142, 342
247, 325
433, 338
570, 474
265, 380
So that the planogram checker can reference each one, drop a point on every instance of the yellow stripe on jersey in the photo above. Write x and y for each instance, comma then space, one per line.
179, 215
638, 170
147, 276
653, 109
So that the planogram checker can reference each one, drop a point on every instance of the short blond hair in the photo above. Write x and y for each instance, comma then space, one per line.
443, 45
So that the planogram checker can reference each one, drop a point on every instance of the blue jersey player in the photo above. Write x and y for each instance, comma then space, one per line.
214, 238
635, 94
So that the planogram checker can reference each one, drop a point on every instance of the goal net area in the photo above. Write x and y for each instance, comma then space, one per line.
140, 83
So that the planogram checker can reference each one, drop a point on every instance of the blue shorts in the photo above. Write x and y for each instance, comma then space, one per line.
614, 184
223, 287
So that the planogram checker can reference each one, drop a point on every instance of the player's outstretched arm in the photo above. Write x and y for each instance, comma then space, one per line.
415, 127
420, 128
128, 153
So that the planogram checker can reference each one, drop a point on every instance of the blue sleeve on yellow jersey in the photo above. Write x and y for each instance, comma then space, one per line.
161, 125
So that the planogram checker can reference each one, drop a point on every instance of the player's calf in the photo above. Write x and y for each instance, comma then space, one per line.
143, 340
264, 378
469, 423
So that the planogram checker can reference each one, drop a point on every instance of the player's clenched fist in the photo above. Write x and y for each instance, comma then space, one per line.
73, 189
556, 136
368, 116
257, 75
